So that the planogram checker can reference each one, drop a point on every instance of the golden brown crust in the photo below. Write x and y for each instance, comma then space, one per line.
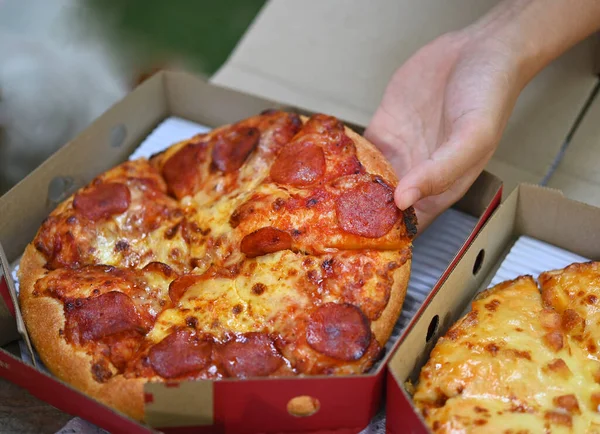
31, 269
382, 327
371, 158
45, 319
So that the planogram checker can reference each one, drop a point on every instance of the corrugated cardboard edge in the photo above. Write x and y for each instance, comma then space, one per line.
4, 264
115, 133
109, 139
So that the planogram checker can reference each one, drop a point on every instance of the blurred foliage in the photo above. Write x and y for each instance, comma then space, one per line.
203, 32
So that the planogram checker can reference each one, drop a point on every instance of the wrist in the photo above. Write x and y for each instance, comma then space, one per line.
505, 39
532, 33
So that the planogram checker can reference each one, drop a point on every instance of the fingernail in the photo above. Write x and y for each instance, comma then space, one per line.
408, 198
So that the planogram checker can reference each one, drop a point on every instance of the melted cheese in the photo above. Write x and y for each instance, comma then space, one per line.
497, 370
575, 293
264, 299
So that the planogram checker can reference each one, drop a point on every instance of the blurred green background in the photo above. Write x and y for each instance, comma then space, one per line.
201, 31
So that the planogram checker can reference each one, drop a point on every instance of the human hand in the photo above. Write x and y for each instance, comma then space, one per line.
441, 118
443, 112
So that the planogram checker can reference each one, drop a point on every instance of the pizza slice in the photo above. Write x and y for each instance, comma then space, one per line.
511, 365
226, 161
123, 217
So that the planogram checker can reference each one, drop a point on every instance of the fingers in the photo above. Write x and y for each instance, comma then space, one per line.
446, 166
429, 208
387, 134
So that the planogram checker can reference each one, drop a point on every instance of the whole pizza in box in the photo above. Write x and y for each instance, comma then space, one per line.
270, 247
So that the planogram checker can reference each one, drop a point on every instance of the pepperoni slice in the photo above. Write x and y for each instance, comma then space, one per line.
178, 287
340, 331
264, 241
60, 247
98, 317
250, 355
233, 147
103, 201
182, 170
180, 353
367, 210
300, 164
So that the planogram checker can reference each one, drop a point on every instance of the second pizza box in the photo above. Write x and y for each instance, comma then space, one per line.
535, 230
343, 404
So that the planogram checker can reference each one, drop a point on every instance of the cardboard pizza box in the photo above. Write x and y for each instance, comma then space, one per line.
531, 213
339, 55
577, 175
345, 403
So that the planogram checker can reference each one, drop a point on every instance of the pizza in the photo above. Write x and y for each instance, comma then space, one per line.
521, 361
267, 248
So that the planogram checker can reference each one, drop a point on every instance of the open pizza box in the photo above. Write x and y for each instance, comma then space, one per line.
535, 229
344, 403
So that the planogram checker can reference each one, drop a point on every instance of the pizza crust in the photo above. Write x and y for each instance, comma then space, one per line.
384, 325
372, 158
44, 316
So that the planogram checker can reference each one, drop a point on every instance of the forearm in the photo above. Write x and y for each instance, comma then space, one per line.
537, 31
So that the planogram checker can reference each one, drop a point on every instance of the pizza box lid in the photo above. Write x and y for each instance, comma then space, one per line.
578, 175
338, 56
541, 213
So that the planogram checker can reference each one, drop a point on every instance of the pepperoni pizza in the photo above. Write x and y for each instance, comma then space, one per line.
270, 247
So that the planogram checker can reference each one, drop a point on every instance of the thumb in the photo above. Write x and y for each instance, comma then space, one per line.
429, 178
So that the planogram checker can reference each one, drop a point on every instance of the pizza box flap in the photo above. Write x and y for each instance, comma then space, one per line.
338, 56
185, 403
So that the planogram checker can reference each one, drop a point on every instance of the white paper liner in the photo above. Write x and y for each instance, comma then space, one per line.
167, 133
433, 250
529, 256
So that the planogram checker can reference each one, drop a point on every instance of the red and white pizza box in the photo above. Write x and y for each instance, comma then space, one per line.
345, 404
535, 229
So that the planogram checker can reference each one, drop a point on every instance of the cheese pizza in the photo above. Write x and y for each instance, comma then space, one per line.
269, 247
521, 361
